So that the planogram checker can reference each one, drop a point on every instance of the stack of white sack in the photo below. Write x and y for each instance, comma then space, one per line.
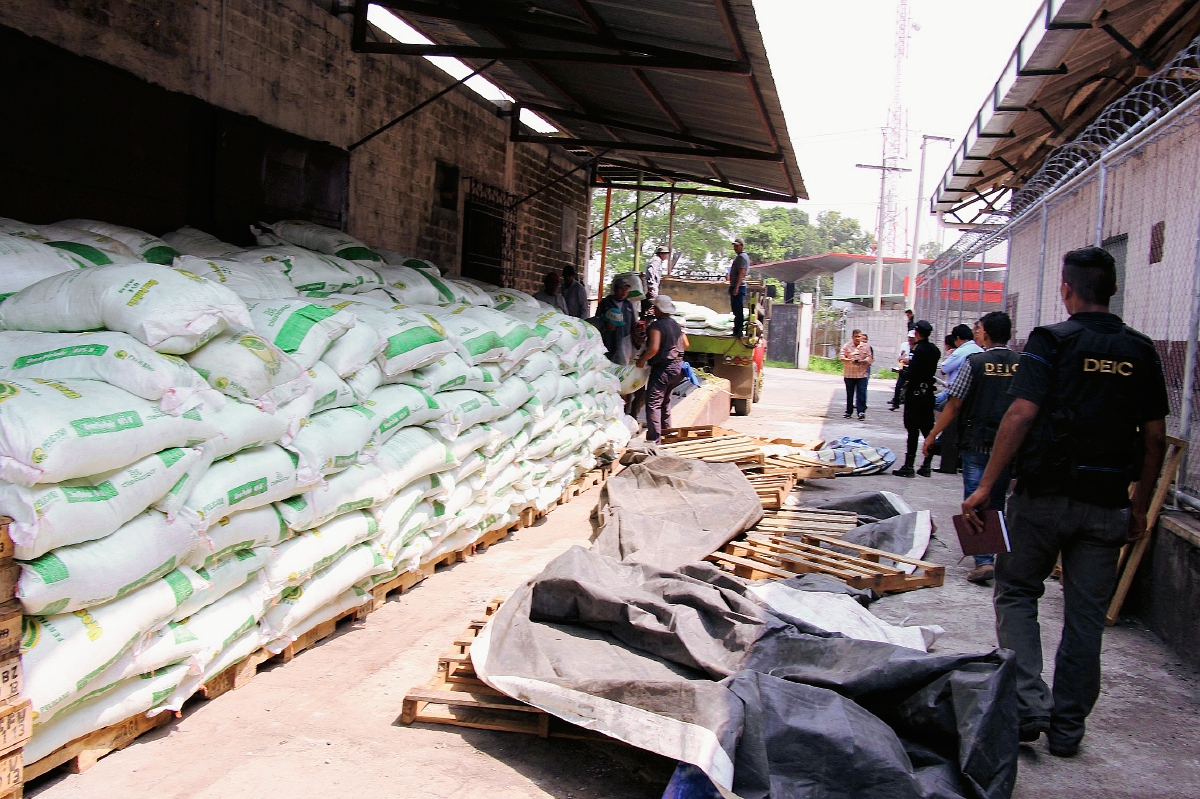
215, 456
702, 320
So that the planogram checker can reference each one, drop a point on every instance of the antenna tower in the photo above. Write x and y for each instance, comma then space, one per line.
895, 144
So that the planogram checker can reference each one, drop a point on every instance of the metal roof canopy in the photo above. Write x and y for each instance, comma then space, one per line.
1075, 58
794, 270
665, 91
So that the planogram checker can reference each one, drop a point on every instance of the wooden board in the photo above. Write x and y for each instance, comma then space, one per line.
6, 544
11, 681
16, 724
10, 627
11, 775
83, 753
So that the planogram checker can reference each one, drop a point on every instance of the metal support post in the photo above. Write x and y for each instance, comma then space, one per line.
1041, 281
962, 286
637, 228
604, 245
1100, 189
1189, 358
911, 295
982, 275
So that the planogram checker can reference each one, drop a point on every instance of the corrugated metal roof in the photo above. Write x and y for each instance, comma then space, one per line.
1075, 58
689, 78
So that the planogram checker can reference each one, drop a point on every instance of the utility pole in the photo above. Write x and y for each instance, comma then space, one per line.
884, 169
911, 295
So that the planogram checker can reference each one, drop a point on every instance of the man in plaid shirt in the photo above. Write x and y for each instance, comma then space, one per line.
857, 356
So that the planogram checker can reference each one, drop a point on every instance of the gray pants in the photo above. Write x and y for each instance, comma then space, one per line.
1089, 538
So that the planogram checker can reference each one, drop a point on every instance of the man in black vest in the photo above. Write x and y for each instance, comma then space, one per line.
978, 398
918, 398
1088, 418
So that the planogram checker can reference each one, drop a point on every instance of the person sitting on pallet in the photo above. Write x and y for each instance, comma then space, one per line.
1088, 418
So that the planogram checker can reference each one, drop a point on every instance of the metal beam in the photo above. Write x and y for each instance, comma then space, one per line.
643, 147
615, 167
1129, 46
681, 63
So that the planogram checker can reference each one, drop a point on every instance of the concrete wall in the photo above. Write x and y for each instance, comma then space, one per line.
887, 332
1166, 593
289, 64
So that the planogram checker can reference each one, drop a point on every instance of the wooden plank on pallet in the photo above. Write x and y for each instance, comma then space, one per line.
235, 676
750, 569
10, 626
11, 775
16, 724
83, 753
11, 680
7, 550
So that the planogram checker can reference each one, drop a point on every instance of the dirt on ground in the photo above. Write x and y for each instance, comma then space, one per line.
326, 724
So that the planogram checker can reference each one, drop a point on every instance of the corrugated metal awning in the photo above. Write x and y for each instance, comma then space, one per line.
673, 90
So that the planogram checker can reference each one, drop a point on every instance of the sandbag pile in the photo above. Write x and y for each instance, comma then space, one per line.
217, 453
701, 320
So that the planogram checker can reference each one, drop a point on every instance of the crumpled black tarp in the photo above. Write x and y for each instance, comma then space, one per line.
871, 506
668, 511
668, 661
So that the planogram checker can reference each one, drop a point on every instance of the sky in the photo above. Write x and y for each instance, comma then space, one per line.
833, 68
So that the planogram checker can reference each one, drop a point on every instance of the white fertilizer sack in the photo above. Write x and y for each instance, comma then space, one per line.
517, 340
248, 529
333, 440
250, 479
245, 365
56, 430
243, 426
116, 358
351, 598
311, 271
299, 328
448, 373
190, 241
362, 342
248, 281
150, 249
24, 263
330, 390
237, 650
299, 602
398, 406
359, 487
50, 516
169, 310
411, 454
324, 239
62, 654
464, 409
224, 621
301, 557
412, 287
96, 249
92, 573
225, 576
365, 380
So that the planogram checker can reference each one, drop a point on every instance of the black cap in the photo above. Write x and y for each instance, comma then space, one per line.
924, 327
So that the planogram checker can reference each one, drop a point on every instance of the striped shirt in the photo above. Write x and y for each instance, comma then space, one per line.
865, 356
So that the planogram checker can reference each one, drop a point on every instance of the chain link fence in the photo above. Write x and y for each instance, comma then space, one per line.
1128, 183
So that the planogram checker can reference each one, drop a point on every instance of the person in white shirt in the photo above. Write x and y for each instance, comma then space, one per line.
549, 293
902, 368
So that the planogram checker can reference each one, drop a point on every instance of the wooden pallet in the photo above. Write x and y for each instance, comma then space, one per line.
83, 753
733, 448
457, 697
762, 555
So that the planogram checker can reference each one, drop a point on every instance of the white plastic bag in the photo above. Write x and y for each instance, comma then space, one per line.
300, 602
311, 271
330, 390
323, 239
361, 343
220, 624
96, 249
349, 599
448, 373
150, 249
333, 440
116, 358
517, 340
465, 409
365, 380
248, 281
242, 426
396, 406
245, 365
24, 262
411, 454
56, 430
225, 576
92, 573
169, 310
301, 557
190, 241
249, 529
416, 286
359, 487
50, 516
299, 328
250, 479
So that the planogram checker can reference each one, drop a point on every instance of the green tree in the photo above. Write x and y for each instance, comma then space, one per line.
931, 250
843, 233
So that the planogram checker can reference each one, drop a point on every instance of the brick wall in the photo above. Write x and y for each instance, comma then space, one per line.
289, 64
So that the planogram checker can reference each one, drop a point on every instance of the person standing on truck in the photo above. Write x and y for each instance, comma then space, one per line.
655, 270
857, 357
918, 398
574, 293
978, 398
616, 317
665, 346
737, 286
1087, 421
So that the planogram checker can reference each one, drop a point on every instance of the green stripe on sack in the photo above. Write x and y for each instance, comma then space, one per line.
171, 456
154, 574
62, 352
299, 322
247, 490
410, 340
162, 254
442, 288
50, 568
481, 344
515, 337
359, 504
86, 251
113, 423
181, 633
97, 493
357, 253
180, 585
54, 608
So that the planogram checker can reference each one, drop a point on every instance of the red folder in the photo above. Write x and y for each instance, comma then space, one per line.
992, 539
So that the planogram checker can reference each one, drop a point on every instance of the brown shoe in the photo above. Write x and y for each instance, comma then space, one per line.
982, 575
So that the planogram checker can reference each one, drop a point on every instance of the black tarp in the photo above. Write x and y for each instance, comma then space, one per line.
693, 667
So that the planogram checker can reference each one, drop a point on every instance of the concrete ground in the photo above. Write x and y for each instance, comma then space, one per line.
325, 724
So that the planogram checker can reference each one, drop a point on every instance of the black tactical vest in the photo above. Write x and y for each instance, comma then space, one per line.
1087, 442
992, 372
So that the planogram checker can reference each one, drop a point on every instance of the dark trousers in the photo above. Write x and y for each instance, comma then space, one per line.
1089, 538
898, 394
948, 441
663, 380
918, 419
737, 301
856, 391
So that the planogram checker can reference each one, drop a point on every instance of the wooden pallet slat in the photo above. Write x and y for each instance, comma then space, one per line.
83, 753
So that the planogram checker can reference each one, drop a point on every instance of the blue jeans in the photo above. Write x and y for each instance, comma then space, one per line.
856, 391
737, 299
973, 465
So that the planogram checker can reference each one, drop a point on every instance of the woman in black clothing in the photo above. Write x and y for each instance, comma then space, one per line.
919, 394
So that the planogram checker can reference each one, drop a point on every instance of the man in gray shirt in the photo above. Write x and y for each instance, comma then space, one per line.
737, 286
574, 293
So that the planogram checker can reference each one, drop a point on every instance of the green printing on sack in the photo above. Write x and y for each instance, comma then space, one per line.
325, 400
393, 420
442, 288
430, 402
515, 337
410, 340
56, 607
372, 525
180, 584
112, 423
461, 380
315, 287
243, 627
162, 254
181, 633
86, 251
283, 528
359, 504
244, 554
296, 503
97, 493
295, 458
204, 573
299, 322
50, 568
344, 461
91, 675
159, 696
481, 344
154, 574
470, 405
94, 350
247, 490
323, 562
171, 456
357, 253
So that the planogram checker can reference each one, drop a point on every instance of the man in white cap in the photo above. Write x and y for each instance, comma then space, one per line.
655, 270
737, 286
666, 342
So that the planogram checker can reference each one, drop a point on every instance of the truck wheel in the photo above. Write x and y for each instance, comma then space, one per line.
741, 406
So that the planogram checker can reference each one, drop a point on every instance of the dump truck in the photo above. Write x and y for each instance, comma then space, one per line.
740, 361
